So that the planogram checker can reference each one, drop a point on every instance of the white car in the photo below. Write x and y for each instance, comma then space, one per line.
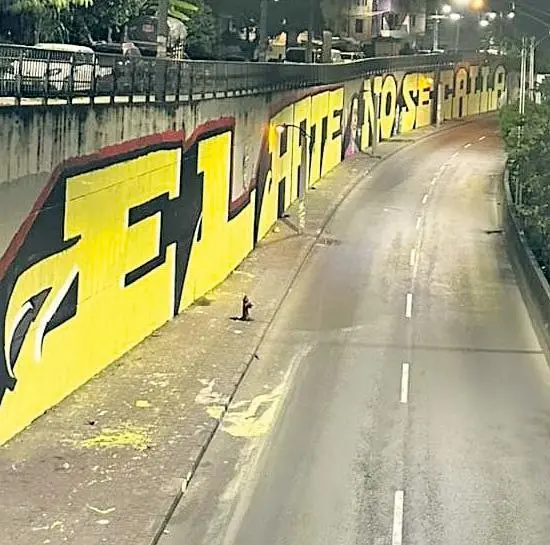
50, 66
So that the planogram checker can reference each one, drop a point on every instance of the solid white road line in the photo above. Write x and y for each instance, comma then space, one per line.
418, 222
408, 305
413, 257
405, 383
397, 532
425, 199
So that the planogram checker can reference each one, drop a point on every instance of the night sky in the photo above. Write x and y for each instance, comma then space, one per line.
533, 16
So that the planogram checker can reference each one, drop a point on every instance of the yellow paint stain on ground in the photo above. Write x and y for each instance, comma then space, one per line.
215, 411
126, 436
257, 419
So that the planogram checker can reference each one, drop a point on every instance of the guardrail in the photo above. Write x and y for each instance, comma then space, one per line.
47, 75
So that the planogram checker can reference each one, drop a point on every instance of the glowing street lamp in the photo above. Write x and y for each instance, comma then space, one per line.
484, 23
446, 9
455, 18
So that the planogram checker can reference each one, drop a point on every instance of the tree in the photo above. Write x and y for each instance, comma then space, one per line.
529, 159
544, 89
201, 32
178, 9
101, 19
31, 20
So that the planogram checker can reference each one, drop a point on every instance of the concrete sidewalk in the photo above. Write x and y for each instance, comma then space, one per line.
108, 464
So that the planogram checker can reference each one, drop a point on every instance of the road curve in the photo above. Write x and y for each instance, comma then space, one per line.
418, 412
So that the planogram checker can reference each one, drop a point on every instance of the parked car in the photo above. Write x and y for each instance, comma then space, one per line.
54, 67
299, 54
350, 56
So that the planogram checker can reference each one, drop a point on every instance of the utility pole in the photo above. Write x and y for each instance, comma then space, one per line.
523, 76
162, 28
436, 18
532, 45
522, 89
263, 40
311, 24
162, 39
436, 33
439, 107
376, 124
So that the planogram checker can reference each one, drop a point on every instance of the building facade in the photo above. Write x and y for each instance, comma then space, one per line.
365, 20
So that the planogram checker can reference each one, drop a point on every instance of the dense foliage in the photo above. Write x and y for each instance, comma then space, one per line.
89, 21
529, 161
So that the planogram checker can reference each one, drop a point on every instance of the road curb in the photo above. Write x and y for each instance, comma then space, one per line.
313, 240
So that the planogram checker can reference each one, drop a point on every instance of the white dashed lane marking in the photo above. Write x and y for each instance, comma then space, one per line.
397, 530
408, 305
405, 383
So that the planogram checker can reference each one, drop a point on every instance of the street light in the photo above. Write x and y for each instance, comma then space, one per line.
497, 18
281, 129
445, 13
455, 18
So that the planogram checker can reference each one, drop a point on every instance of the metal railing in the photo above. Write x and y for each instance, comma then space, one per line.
47, 75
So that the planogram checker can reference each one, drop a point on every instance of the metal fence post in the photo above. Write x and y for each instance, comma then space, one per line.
178, 83
93, 82
46, 89
18, 79
149, 86
376, 127
133, 65
114, 86
70, 86
226, 77
191, 81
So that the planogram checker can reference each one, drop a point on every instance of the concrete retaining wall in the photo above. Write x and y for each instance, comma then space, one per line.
533, 283
115, 218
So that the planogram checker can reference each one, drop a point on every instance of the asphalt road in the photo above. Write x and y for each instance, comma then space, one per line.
415, 403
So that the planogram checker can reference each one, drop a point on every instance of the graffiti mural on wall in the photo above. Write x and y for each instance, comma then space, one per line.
405, 102
101, 261
121, 241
